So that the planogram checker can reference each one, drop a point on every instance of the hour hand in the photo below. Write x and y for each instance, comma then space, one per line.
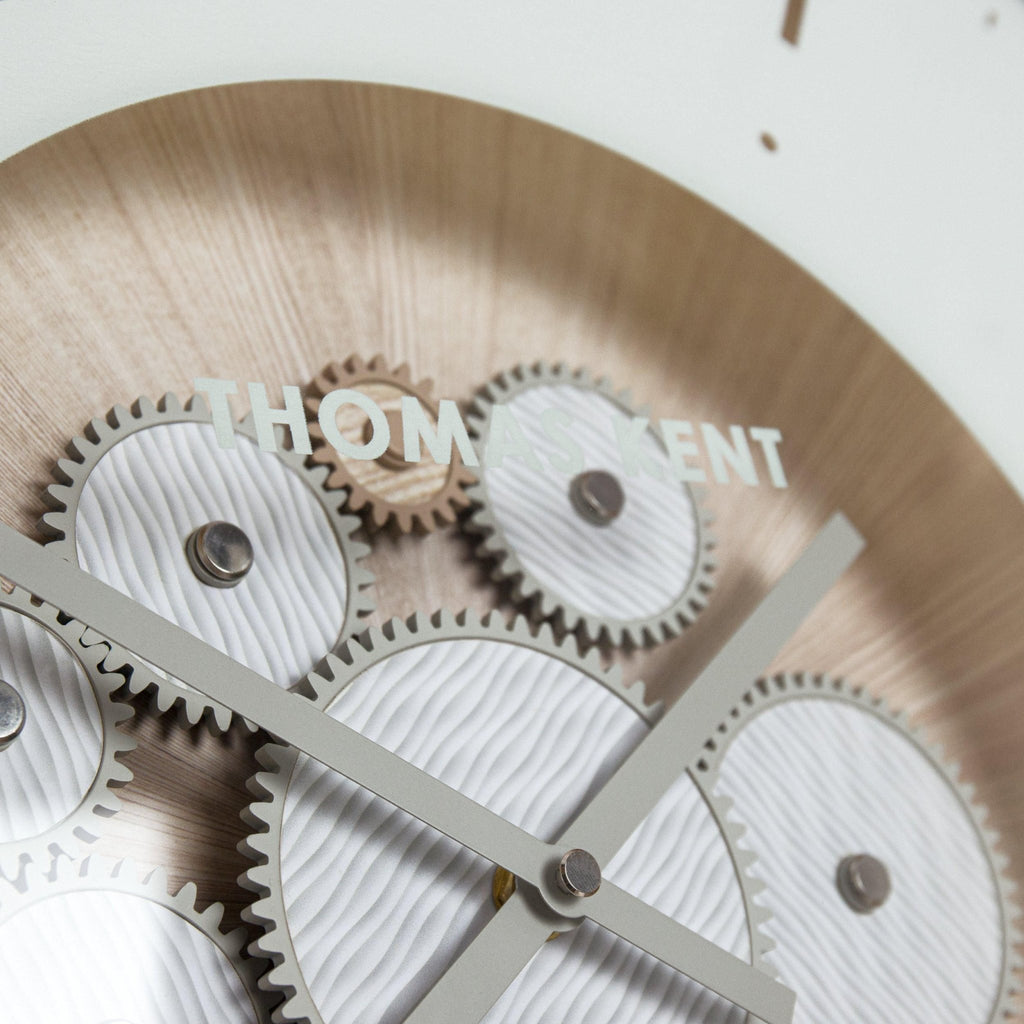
676, 741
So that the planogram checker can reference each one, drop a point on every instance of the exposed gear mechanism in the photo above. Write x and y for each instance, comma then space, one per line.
619, 558
141, 485
418, 496
524, 725
127, 950
58, 775
888, 901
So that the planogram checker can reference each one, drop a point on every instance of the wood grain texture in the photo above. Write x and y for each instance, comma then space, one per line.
259, 232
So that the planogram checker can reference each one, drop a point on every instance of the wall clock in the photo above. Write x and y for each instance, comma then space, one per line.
260, 233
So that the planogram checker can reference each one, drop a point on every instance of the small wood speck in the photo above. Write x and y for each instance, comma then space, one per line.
792, 21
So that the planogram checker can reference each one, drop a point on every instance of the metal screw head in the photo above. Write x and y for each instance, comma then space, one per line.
597, 496
393, 457
220, 554
12, 714
579, 874
863, 882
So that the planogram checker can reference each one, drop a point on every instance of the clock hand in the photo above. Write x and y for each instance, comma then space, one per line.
603, 826
488, 965
291, 718
493, 960
296, 721
674, 743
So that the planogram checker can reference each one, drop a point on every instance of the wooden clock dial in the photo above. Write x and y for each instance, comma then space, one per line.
258, 232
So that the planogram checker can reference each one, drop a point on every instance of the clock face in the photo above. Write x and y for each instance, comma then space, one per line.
287, 234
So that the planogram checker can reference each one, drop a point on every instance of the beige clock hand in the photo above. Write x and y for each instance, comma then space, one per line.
296, 721
675, 742
627, 798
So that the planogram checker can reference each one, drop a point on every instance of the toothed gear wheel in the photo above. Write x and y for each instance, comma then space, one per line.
57, 777
418, 496
364, 907
137, 486
639, 576
818, 772
127, 951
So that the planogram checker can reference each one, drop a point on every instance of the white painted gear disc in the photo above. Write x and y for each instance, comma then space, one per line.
57, 777
817, 772
364, 907
127, 950
639, 579
140, 482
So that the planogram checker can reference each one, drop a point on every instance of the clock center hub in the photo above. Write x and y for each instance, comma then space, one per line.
220, 554
12, 715
579, 874
597, 496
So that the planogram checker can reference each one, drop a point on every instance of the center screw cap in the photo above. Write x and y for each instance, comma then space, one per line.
220, 554
12, 714
579, 874
597, 496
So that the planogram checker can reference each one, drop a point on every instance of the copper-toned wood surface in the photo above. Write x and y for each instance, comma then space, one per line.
258, 232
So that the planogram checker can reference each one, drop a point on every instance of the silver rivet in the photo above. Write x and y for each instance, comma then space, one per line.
597, 495
12, 715
863, 881
220, 554
579, 874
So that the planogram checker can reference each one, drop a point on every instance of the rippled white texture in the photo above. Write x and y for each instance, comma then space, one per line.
152, 489
817, 779
634, 567
86, 957
378, 904
49, 768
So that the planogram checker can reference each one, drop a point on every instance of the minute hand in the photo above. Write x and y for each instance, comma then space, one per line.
675, 742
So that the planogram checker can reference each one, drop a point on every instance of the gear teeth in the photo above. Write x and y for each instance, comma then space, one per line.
337, 670
783, 686
86, 822
162, 698
169, 404
58, 527
524, 589
118, 418
99, 874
